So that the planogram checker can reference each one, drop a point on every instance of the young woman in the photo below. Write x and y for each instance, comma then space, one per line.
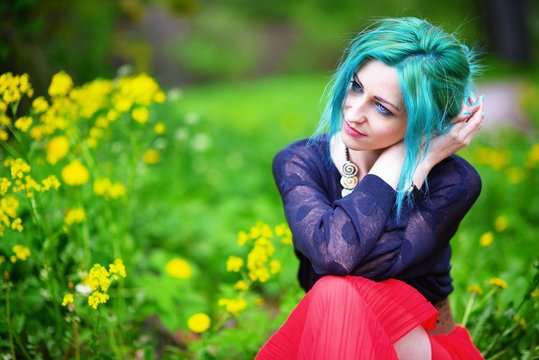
375, 196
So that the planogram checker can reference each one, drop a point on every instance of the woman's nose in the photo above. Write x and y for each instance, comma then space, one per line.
355, 110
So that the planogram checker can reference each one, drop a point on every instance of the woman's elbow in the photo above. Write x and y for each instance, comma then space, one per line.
331, 267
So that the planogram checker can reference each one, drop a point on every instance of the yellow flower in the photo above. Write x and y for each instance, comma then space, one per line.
117, 267
68, 299
75, 216
98, 278
475, 289
40, 105
486, 239
23, 123
21, 252
151, 156
521, 321
243, 237
233, 306
101, 186
50, 182
159, 128
75, 174
500, 223
199, 322
497, 282
275, 266
17, 225
283, 231
97, 298
9, 205
116, 190
515, 175
160, 97
4, 135
234, 263
535, 293
61, 84
533, 156
179, 268
4, 185
57, 149
140, 115
18, 168
241, 285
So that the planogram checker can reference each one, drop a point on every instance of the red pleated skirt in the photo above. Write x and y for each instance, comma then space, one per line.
352, 317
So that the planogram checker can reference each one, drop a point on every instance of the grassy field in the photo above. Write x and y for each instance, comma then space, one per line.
200, 213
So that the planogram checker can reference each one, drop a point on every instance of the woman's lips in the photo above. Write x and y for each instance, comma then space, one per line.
351, 131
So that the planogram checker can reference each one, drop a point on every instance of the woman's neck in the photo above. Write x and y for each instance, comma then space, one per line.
364, 160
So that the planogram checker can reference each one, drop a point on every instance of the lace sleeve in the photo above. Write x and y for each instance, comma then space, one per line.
359, 234
454, 185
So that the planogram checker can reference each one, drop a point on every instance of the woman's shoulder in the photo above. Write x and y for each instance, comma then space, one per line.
455, 172
306, 150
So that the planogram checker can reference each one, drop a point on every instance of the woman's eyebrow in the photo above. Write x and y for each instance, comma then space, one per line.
381, 99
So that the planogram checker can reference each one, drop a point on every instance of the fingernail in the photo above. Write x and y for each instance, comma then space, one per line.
466, 113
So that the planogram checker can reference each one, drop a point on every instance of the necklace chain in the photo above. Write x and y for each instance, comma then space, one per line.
349, 174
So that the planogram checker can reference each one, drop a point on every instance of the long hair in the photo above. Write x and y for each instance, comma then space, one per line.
435, 73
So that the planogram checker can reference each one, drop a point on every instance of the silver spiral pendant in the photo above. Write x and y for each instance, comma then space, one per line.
349, 169
349, 179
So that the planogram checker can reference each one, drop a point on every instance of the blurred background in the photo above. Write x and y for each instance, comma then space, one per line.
184, 42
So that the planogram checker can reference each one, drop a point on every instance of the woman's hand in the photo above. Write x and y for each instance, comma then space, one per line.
465, 127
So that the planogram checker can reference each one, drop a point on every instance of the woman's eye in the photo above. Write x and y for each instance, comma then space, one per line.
356, 87
383, 110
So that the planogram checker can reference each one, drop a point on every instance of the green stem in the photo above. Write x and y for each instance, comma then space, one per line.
10, 329
468, 310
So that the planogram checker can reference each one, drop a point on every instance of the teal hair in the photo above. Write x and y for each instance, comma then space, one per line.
435, 74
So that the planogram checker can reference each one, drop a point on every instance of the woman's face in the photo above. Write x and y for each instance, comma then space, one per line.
374, 113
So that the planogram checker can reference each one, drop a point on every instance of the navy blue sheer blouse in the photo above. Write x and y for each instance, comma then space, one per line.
360, 233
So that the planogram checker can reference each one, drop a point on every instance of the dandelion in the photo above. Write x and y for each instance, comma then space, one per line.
501, 223
75, 173
532, 158
475, 289
68, 299
515, 175
151, 157
233, 306
159, 128
21, 252
486, 239
234, 264
199, 322
140, 115
75, 216
61, 84
116, 190
179, 268
498, 283
101, 186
